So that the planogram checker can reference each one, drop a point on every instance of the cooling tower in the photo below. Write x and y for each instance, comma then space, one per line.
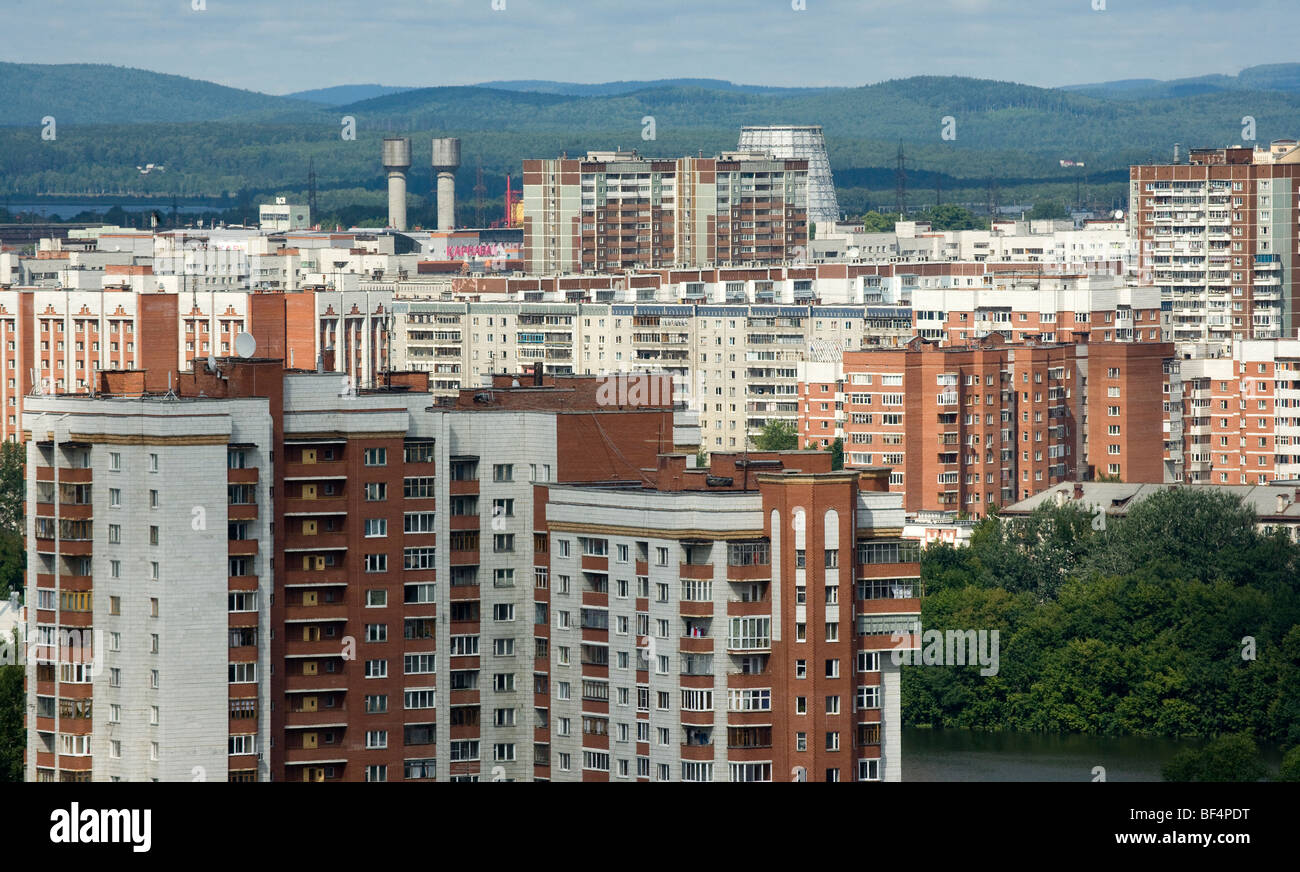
799, 143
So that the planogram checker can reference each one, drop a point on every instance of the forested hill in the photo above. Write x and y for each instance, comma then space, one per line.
214, 139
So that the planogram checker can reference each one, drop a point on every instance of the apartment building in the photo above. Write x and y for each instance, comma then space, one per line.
1217, 236
58, 341
1059, 244
293, 580
148, 633
701, 629
1233, 418
276, 533
620, 210
735, 365
963, 428
1026, 305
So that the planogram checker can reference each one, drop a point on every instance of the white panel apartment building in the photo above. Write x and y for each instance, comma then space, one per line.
735, 365
133, 588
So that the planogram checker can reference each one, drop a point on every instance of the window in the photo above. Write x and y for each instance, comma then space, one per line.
115, 497
418, 558
376, 632
418, 522
503, 472
376, 563
376, 527
242, 673
376, 491
376, 457
418, 487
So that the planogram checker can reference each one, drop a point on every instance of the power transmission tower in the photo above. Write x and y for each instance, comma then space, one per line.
479, 190
900, 184
311, 186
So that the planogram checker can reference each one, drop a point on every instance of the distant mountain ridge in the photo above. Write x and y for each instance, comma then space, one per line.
105, 94
340, 95
1264, 77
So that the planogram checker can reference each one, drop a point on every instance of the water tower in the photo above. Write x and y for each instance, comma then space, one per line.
446, 160
397, 160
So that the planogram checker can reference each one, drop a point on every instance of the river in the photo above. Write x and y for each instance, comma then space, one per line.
966, 755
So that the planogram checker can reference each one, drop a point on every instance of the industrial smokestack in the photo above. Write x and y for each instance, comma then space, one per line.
446, 160
397, 160
1178, 156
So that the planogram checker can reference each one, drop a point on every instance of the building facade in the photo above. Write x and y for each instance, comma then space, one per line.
619, 210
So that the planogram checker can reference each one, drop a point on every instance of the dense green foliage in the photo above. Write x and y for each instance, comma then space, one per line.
13, 738
1233, 757
777, 436
13, 556
1139, 628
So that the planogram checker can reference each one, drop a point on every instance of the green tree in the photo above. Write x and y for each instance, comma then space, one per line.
1045, 209
836, 449
13, 737
878, 222
1290, 765
777, 436
1233, 757
952, 217
13, 458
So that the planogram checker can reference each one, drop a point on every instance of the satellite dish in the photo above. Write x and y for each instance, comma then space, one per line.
1119, 213
212, 363
245, 345
854, 253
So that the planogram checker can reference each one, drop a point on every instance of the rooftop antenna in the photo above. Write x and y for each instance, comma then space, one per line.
171, 394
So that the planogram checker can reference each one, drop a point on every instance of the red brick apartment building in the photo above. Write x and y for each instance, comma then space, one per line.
288, 579
60, 340
964, 428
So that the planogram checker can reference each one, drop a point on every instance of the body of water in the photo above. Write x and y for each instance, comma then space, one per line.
68, 210
967, 755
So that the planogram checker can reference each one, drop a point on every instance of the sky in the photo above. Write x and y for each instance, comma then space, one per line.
281, 46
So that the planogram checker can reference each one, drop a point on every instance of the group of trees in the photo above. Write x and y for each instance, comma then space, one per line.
12, 560
1181, 619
